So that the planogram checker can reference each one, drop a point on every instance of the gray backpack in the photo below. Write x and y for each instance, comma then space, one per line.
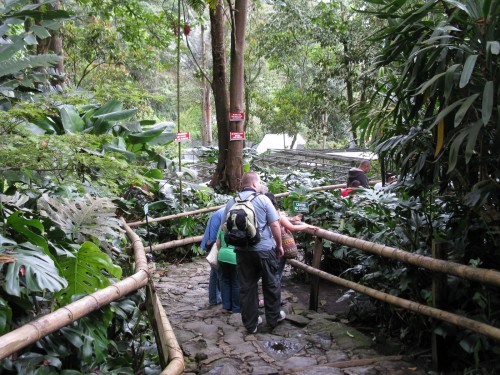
241, 227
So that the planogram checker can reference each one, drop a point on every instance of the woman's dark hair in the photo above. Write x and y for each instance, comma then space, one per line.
272, 199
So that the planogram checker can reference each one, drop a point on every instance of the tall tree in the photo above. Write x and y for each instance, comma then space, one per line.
230, 164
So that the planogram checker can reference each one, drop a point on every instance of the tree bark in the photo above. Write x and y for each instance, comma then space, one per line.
220, 91
234, 163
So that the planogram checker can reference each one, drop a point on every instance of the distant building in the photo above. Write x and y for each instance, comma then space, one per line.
279, 142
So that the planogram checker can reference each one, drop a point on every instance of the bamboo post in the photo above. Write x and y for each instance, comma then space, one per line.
316, 263
439, 289
160, 344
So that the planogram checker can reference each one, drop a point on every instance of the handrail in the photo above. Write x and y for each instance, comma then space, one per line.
175, 357
458, 320
487, 276
215, 208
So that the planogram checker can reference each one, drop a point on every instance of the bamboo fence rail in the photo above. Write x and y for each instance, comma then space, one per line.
168, 346
215, 208
473, 325
486, 276
175, 243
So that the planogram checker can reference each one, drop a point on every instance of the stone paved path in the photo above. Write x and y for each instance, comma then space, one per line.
215, 342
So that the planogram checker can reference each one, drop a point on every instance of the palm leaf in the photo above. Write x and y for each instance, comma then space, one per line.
15, 65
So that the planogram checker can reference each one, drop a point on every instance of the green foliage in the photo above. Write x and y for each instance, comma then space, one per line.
444, 95
67, 160
120, 53
19, 69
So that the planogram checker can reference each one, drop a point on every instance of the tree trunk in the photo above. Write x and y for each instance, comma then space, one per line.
206, 108
53, 43
220, 91
234, 162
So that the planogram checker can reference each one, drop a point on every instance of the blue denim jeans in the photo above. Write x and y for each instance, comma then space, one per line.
230, 287
214, 297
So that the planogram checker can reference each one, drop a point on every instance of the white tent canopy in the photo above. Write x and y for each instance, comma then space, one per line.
278, 142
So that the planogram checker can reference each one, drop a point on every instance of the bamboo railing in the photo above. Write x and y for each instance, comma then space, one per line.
458, 320
215, 208
486, 276
170, 352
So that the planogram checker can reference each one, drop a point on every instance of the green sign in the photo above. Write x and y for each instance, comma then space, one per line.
301, 206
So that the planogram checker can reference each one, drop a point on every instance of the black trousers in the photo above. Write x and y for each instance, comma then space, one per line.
252, 265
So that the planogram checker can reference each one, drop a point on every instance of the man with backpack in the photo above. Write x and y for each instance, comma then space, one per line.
251, 224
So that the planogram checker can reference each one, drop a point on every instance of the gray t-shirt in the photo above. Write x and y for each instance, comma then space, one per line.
266, 214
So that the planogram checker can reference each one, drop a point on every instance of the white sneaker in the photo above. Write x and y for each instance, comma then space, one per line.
282, 316
259, 322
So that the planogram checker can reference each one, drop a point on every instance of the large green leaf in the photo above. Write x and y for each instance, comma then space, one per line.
24, 226
5, 316
95, 345
111, 106
10, 49
146, 136
469, 65
471, 140
464, 107
116, 116
86, 272
71, 120
40, 32
488, 94
162, 139
454, 150
92, 216
32, 269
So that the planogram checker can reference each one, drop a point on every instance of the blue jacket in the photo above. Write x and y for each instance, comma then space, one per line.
213, 226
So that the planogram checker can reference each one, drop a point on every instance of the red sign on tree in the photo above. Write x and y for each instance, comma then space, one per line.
236, 136
182, 137
236, 116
